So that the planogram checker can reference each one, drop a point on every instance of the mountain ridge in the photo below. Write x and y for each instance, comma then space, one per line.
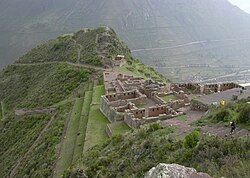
48, 96
142, 24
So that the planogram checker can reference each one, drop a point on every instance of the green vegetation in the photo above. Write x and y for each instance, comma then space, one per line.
97, 121
192, 139
82, 126
244, 114
48, 145
182, 118
23, 139
87, 42
69, 142
136, 68
83, 46
167, 98
119, 128
40, 162
141, 105
59, 49
238, 112
1, 112
39, 85
73, 143
35, 86
16, 138
133, 154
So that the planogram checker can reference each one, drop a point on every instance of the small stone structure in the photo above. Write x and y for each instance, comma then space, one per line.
119, 60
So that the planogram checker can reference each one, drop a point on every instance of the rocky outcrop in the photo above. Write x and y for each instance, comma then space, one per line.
174, 171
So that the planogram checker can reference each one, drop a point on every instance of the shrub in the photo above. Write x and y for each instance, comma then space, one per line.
222, 115
154, 127
244, 114
192, 139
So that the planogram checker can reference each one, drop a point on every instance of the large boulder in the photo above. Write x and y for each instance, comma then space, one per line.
174, 171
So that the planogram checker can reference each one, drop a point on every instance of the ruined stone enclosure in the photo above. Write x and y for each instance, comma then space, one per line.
197, 88
210, 94
137, 101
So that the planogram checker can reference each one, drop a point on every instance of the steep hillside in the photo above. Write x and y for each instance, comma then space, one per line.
96, 47
238, 112
133, 154
48, 97
175, 34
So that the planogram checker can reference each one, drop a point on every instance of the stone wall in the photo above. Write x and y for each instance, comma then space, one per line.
131, 121
157, 99
134, 94
128, 95
109, 111
140, 100
138, 113
108, 130
228, 86
177, 104
210, 88
198, 106
124, 108
136, 123
182, 96
186, 87
155, 111
112, 97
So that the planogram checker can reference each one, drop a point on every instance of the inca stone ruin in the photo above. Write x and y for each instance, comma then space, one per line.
137, 101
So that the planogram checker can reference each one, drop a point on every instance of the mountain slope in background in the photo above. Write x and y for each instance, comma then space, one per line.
175, 34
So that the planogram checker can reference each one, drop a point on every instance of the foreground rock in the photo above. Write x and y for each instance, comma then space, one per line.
174, 171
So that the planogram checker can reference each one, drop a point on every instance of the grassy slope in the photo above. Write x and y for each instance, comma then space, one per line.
82, 126
133, 154
136, 68
67, 150
32, 86
119, 128
97, 122
66, 48
16, 138
238, 112
40, 162
47, 84
1, 112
